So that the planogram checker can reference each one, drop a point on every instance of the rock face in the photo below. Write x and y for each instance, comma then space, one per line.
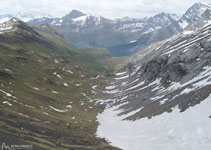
165, 73
205, 19
168, 69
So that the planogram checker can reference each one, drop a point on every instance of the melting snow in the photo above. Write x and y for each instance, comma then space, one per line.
94, 87
58, 110
112, 91
124, 77
36, 88
120, 73
23, 115
137, 85
69, 71
95, 77
78, 85
45, 113
69, 106
65, 84
188, 32
110, 87
6, 102
81, 19
4, 28
8, 70
58, 76
169, 131
133, 41
8, 94
56, 61
55, 92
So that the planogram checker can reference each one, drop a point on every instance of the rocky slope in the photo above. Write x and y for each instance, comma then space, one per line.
163, 101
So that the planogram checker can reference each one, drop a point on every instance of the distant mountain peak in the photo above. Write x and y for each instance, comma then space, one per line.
199, 4
9, 25
203, 21
193, 14
75, 14
13, 21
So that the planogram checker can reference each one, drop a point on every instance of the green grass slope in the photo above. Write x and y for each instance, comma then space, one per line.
46, 89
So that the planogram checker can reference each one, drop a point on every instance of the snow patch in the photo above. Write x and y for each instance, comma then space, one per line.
65, 84
36, 88
120, 78
55, 92
187, 130
8, 103
120, 73
110, 87
58, 110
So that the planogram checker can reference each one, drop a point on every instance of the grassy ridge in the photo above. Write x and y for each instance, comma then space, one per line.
44, 75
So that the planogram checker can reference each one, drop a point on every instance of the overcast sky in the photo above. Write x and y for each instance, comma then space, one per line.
107, 8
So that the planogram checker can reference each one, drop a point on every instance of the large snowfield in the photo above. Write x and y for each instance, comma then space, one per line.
189, 130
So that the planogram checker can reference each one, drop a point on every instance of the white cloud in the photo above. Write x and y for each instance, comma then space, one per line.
107, 8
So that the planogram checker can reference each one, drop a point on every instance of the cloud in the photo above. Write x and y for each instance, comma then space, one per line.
107, 8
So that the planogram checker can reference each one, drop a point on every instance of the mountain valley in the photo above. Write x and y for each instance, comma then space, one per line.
85, 82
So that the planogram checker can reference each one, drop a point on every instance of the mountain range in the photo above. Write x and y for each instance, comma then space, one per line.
121, 37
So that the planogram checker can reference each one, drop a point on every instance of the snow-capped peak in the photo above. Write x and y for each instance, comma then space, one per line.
96, 19
193, 14
8, 25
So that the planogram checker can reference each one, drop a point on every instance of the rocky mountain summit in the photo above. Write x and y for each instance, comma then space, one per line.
204, 20
193, 14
